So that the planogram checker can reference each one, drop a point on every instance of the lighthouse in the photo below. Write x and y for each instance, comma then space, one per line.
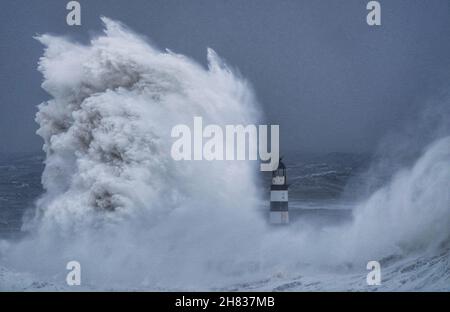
279, 212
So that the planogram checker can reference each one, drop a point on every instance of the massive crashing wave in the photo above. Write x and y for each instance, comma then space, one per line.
107, 128
114, 197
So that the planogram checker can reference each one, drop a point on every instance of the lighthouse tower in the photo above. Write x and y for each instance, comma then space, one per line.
279, 212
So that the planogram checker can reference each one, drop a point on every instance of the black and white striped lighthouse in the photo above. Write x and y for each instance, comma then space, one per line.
279, 212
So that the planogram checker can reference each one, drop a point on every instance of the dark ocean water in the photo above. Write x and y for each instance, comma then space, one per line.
20, 186
315, 182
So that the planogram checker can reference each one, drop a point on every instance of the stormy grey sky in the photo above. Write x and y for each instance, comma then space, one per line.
332, 82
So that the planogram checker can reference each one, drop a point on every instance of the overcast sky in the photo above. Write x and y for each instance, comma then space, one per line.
332, 82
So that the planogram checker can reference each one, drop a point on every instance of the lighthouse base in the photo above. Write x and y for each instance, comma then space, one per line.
279, 217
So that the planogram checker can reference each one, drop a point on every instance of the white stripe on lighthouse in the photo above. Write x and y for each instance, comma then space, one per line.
279, 217
278, 196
